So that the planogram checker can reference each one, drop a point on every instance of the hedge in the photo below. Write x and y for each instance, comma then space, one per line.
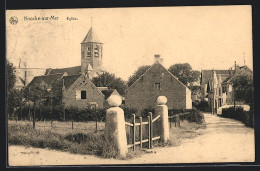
87, 114
239, 114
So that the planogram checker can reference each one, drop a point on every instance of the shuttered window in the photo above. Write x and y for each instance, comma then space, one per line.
78, 95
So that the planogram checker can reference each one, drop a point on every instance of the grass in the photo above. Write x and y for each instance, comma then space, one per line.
83, 139
187, 130
73, 142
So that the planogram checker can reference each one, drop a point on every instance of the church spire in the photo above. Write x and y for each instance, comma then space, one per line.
91, 37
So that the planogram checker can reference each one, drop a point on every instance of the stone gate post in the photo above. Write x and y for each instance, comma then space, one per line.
162, 110
115, 125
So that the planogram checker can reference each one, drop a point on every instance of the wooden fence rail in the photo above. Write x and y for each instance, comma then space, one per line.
177, 116
140, 124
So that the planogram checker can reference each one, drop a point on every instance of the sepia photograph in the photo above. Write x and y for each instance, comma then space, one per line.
130, 86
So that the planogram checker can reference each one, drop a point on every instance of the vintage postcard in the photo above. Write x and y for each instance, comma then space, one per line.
136, 85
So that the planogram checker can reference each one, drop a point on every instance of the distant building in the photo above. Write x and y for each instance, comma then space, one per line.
158, 81
91, 58
24, 75
73, 85
216, 87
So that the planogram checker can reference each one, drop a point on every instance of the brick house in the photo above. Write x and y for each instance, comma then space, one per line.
158, 81
72, 91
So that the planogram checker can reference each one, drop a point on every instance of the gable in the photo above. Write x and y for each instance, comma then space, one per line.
155, 72
83, 82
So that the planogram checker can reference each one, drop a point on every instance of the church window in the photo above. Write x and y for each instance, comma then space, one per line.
88, 54
96, 48
88, 48
157, 86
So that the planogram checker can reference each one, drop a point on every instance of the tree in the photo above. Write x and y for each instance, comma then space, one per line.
137, 74
185, 73
242, 82
34, 96
110, 81
11, 93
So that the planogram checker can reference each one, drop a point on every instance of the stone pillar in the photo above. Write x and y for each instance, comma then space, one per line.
115, 125
162, 110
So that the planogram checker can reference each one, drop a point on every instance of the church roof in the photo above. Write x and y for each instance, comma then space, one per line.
48, 79
91, 37
70, 71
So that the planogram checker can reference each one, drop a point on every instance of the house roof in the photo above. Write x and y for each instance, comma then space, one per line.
107, 93
48, 79
207, 75
227, 80
70, 71
69, 80
165, 70
91, 37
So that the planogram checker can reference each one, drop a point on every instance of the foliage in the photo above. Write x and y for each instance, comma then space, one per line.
10, 76
185, 73
242, 82
129, 111
75, 142
200, 105
239, 114
137, 74
111, 81
14, 100
193, 115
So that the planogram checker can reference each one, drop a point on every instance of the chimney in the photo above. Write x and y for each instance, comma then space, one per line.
158, 59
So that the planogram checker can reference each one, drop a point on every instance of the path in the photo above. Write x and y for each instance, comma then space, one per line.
223, 140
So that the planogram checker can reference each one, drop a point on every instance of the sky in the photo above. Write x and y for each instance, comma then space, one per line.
206, 37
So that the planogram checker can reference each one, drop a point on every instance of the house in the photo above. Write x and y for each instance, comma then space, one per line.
158, 81
216, 87
72, 91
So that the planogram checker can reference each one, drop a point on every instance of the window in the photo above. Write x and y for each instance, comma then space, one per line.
88, 48
81, 95
93, 105
88, 54
96, 54
157, 86
96, 48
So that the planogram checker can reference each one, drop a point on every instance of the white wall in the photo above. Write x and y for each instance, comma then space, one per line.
188, 99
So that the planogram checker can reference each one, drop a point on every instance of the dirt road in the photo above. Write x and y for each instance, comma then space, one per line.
223, 140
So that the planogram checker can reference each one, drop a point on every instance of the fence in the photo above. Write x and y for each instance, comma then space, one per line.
62, 126
177, 119
150, 133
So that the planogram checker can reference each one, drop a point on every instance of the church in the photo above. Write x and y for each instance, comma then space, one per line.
72, 85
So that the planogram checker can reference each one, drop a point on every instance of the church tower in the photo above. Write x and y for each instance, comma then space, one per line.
91, 54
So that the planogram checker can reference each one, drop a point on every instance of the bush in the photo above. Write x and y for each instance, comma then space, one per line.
193, 116
200, 105
129, 111
239, 114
